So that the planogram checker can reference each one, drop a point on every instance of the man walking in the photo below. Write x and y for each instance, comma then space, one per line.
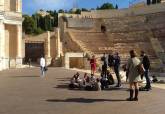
117, 68
42, 65
146, 64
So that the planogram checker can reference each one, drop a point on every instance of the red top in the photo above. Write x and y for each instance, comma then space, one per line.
93, 62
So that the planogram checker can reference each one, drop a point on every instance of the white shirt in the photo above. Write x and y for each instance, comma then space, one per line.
42, 62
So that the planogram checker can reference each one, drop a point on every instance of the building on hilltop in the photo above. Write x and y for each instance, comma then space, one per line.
10, 34
42, 13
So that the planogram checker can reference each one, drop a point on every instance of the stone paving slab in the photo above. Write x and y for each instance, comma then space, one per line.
23, 91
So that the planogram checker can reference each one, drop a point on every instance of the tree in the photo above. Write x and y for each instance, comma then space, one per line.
28, 24
61, 11
106, 6
84, 9
78, 11
38, 31
47, 23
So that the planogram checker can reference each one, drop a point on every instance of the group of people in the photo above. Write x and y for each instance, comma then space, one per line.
87, 82
91, 82
136, 68
111, 61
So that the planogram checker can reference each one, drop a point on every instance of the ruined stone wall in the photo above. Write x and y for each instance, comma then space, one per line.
80, 23
125, 12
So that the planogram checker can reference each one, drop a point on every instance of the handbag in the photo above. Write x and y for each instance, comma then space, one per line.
45, 68
140, 69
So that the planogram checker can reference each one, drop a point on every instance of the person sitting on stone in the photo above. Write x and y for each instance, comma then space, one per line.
92, 79
86, 79
75, 81
91, 84
104, 81
110, 78
155, 80
97, 86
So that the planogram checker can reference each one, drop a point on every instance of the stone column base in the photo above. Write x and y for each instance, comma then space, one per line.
1, 64
4, 63
18, 63
48, 61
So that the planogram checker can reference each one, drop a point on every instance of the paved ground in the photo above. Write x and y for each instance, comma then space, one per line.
24, 92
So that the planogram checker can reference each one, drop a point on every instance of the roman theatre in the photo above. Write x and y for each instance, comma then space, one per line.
104, 31
78, 36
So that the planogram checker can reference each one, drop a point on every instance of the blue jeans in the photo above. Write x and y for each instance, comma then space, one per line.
148, 82
42, 71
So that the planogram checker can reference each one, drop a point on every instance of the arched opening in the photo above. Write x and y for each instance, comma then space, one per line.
103, 29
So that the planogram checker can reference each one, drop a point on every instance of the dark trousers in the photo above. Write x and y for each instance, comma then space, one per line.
116, 69
148, 83
104, 70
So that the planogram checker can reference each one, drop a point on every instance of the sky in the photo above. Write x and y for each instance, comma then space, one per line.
31, 6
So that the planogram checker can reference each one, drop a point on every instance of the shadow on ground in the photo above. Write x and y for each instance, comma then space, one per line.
62, 86
25, 76
84, 100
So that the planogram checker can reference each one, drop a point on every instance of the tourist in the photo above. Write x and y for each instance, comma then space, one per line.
117, 68
75, 81
110, 60
104, 65
154, 79
104, 81
90, 86
92, 79
86, 79
29, 61
110, 78
133, 75
97, 86
42, 65
146, 64
126, 71
93, 65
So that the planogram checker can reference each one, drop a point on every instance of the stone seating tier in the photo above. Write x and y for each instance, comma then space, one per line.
124, 34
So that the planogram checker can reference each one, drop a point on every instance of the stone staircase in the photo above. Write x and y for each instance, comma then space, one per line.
92, 42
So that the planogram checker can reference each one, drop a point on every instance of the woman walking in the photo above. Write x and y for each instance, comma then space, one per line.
133, 75
93, 65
